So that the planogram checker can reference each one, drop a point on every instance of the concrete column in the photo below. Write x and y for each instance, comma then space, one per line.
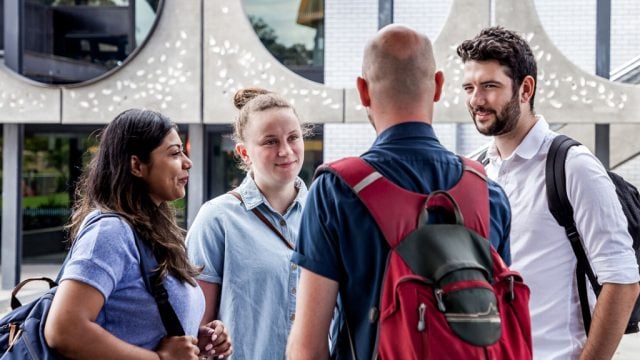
196, 194
603, 69
12, 204
13, 34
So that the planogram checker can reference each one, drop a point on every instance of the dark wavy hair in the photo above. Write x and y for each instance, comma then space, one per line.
107, 184
506, 47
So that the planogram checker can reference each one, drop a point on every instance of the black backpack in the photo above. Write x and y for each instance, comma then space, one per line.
562, 211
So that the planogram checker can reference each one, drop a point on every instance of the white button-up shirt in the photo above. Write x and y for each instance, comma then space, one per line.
540, 250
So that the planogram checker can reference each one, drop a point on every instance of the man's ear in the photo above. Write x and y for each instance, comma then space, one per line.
439, 80
136, 166
242, 152
363, 90
527, 89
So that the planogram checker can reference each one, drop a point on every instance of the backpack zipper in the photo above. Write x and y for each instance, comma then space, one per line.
421, 322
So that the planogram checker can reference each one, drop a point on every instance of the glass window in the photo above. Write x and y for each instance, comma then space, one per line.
293, 31
1, 27
53, 158
70, 41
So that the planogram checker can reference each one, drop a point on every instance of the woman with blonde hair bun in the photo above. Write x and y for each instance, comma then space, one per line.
244, 239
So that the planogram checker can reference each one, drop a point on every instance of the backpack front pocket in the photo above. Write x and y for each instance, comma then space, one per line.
471, 310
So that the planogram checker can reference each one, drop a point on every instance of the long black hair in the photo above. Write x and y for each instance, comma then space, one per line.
108, 184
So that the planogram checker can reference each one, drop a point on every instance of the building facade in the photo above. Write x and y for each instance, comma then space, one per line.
186, 59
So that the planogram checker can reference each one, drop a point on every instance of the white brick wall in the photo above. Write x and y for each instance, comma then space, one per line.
355, 139
469, 139
348, 25
630, 171
625, 32
427, 17
446, 133
571, 25
346, 140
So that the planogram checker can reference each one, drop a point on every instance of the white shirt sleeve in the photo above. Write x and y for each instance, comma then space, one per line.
600, 219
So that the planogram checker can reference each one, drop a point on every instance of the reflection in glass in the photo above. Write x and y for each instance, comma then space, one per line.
293, 31
53, 159
70, 41
1, 27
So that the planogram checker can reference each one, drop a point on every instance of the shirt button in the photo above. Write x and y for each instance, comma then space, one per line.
283, 223
294, 266
293, 291
292, 317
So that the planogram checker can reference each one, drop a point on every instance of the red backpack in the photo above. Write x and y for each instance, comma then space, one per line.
446, 293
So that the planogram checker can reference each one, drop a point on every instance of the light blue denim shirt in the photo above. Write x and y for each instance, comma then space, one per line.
252, 264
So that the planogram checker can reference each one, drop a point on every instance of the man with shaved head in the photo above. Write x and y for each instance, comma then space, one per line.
340, 247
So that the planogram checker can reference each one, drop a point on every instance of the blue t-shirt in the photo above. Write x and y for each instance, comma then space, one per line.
340, 240
252, 265
106, 258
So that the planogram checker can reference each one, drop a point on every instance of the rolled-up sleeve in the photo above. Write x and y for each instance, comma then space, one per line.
600, 219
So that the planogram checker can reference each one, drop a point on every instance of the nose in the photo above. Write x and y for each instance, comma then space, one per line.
284, 149
476, 98
187, 163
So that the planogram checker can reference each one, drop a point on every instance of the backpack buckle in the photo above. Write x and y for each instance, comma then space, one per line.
14, 334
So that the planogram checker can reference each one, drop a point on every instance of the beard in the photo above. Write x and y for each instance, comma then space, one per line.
505, 122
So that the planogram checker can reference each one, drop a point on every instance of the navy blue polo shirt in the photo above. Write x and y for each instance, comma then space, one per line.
339, 240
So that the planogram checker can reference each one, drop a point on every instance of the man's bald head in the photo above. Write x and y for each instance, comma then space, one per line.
399, 65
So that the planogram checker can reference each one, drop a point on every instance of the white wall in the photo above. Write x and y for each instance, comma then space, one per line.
570, 24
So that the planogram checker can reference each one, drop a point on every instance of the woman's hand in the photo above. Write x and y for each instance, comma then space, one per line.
178, 347
214, 341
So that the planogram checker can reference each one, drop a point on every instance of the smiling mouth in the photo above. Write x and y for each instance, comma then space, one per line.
287, 163
482, 113
184, 180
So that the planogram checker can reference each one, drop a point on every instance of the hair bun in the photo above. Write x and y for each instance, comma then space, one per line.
243, 96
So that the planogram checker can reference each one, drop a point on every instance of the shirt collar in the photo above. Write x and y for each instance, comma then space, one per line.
252, 197
529, 146
405, 130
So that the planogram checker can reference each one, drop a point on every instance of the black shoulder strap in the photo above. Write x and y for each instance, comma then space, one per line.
556, 182
150, 275
562, 211
154, 283
483, 159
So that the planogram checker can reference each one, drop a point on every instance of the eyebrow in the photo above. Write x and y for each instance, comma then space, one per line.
179, 146
484, 83
270, 136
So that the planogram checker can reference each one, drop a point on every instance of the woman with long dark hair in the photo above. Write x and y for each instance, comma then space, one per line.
102, 308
